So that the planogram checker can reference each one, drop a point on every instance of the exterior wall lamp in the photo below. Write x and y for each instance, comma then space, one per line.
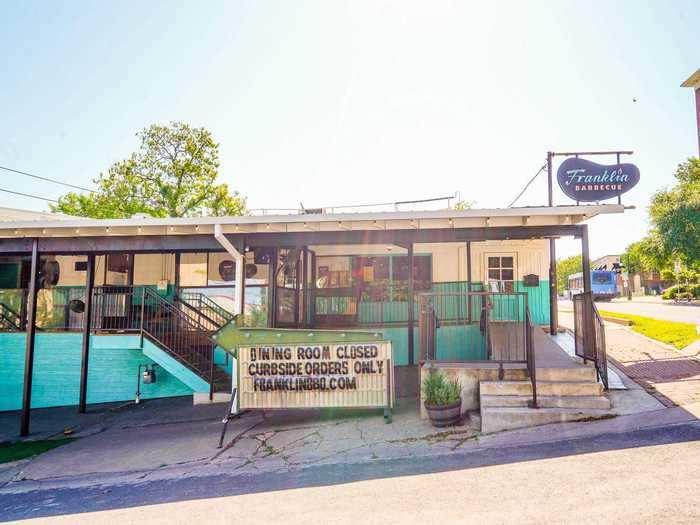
149, 377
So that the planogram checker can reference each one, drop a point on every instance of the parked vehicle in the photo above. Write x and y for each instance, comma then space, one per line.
603, 284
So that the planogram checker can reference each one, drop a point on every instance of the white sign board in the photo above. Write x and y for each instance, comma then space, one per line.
315, 376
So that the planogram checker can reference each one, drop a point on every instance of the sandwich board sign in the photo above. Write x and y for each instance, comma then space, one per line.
291, 369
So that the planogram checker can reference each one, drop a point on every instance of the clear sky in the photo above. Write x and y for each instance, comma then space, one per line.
334, 103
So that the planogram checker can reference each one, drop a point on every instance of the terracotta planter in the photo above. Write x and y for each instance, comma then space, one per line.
445, 415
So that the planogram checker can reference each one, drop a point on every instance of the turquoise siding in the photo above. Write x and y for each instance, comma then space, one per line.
114, 360
175, 367
538, 301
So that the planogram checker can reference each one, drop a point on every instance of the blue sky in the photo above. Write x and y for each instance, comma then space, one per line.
334, 103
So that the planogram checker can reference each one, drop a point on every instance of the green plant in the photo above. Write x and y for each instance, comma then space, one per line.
674, 333
440, 391
681, 289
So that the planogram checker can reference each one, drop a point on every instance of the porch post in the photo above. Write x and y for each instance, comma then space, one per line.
305, 285
411, 301
312, 295
87, 324
30, 333
469, 280
586, 261
553, 296
176, 282
271, 289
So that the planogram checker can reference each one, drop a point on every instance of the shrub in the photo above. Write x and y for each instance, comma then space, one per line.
440, 391
681, 289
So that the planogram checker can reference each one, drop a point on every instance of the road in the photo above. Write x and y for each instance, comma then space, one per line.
641, 476
648, 307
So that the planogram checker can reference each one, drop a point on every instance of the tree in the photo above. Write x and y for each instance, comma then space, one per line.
566, 267
173, 174
646, 255
675, 216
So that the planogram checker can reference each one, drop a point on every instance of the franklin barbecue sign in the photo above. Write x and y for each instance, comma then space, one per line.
316, 375
586, 181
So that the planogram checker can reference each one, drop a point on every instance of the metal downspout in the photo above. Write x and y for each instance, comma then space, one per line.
238, 304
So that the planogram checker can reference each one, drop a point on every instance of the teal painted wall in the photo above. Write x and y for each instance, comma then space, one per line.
538, 301
114, 360
174, 367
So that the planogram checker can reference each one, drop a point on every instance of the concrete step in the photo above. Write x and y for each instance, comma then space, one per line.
544, 388
577, 373
497, 419
202, 398
581, 402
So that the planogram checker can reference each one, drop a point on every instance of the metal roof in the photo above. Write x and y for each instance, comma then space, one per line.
424, 219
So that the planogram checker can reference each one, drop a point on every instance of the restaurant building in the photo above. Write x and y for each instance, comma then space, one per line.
87, 305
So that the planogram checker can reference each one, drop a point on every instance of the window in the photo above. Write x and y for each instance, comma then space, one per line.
501, 271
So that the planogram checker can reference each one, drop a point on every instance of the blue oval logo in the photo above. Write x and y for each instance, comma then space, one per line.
587, 181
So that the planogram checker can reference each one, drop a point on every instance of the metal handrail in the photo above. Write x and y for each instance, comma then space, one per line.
12, 318
200, 301
179, 334
589, 334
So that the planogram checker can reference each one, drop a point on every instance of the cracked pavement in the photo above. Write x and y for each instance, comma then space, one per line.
172, 438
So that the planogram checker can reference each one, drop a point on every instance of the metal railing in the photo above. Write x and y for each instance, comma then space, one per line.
204, 310
589, 335
10, 319
372, 304
179, 334
478, 326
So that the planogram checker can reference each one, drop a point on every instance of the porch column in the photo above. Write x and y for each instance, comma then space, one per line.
176, 282
30, 333
272, 289
553, 296
469, 280
87, 324
586, 266
411, 301
312, 295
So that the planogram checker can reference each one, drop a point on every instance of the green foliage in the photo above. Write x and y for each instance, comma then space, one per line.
672, 292
25, 449
677, 334
173, 174
463, 205
675, 215
646, 255
566, 267
440, 391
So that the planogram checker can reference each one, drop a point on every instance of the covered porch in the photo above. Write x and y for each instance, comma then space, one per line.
487, 275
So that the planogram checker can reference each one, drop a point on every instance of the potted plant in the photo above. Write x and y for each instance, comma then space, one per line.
443, 399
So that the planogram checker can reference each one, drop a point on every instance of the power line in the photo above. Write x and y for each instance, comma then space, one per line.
528, 185
47, 179
28, 195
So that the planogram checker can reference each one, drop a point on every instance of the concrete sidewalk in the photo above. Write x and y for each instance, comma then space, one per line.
671, 375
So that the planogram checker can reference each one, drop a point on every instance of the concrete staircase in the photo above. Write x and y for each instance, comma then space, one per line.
563, 394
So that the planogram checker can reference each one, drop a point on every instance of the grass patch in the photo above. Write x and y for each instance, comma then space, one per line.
25, 449
674, 333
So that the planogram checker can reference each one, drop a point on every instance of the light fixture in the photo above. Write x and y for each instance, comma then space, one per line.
196, 227
77, 230
107, 229
140, 229
488, 221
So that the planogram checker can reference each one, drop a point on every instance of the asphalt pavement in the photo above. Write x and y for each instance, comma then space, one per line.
652, 306
641, 476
